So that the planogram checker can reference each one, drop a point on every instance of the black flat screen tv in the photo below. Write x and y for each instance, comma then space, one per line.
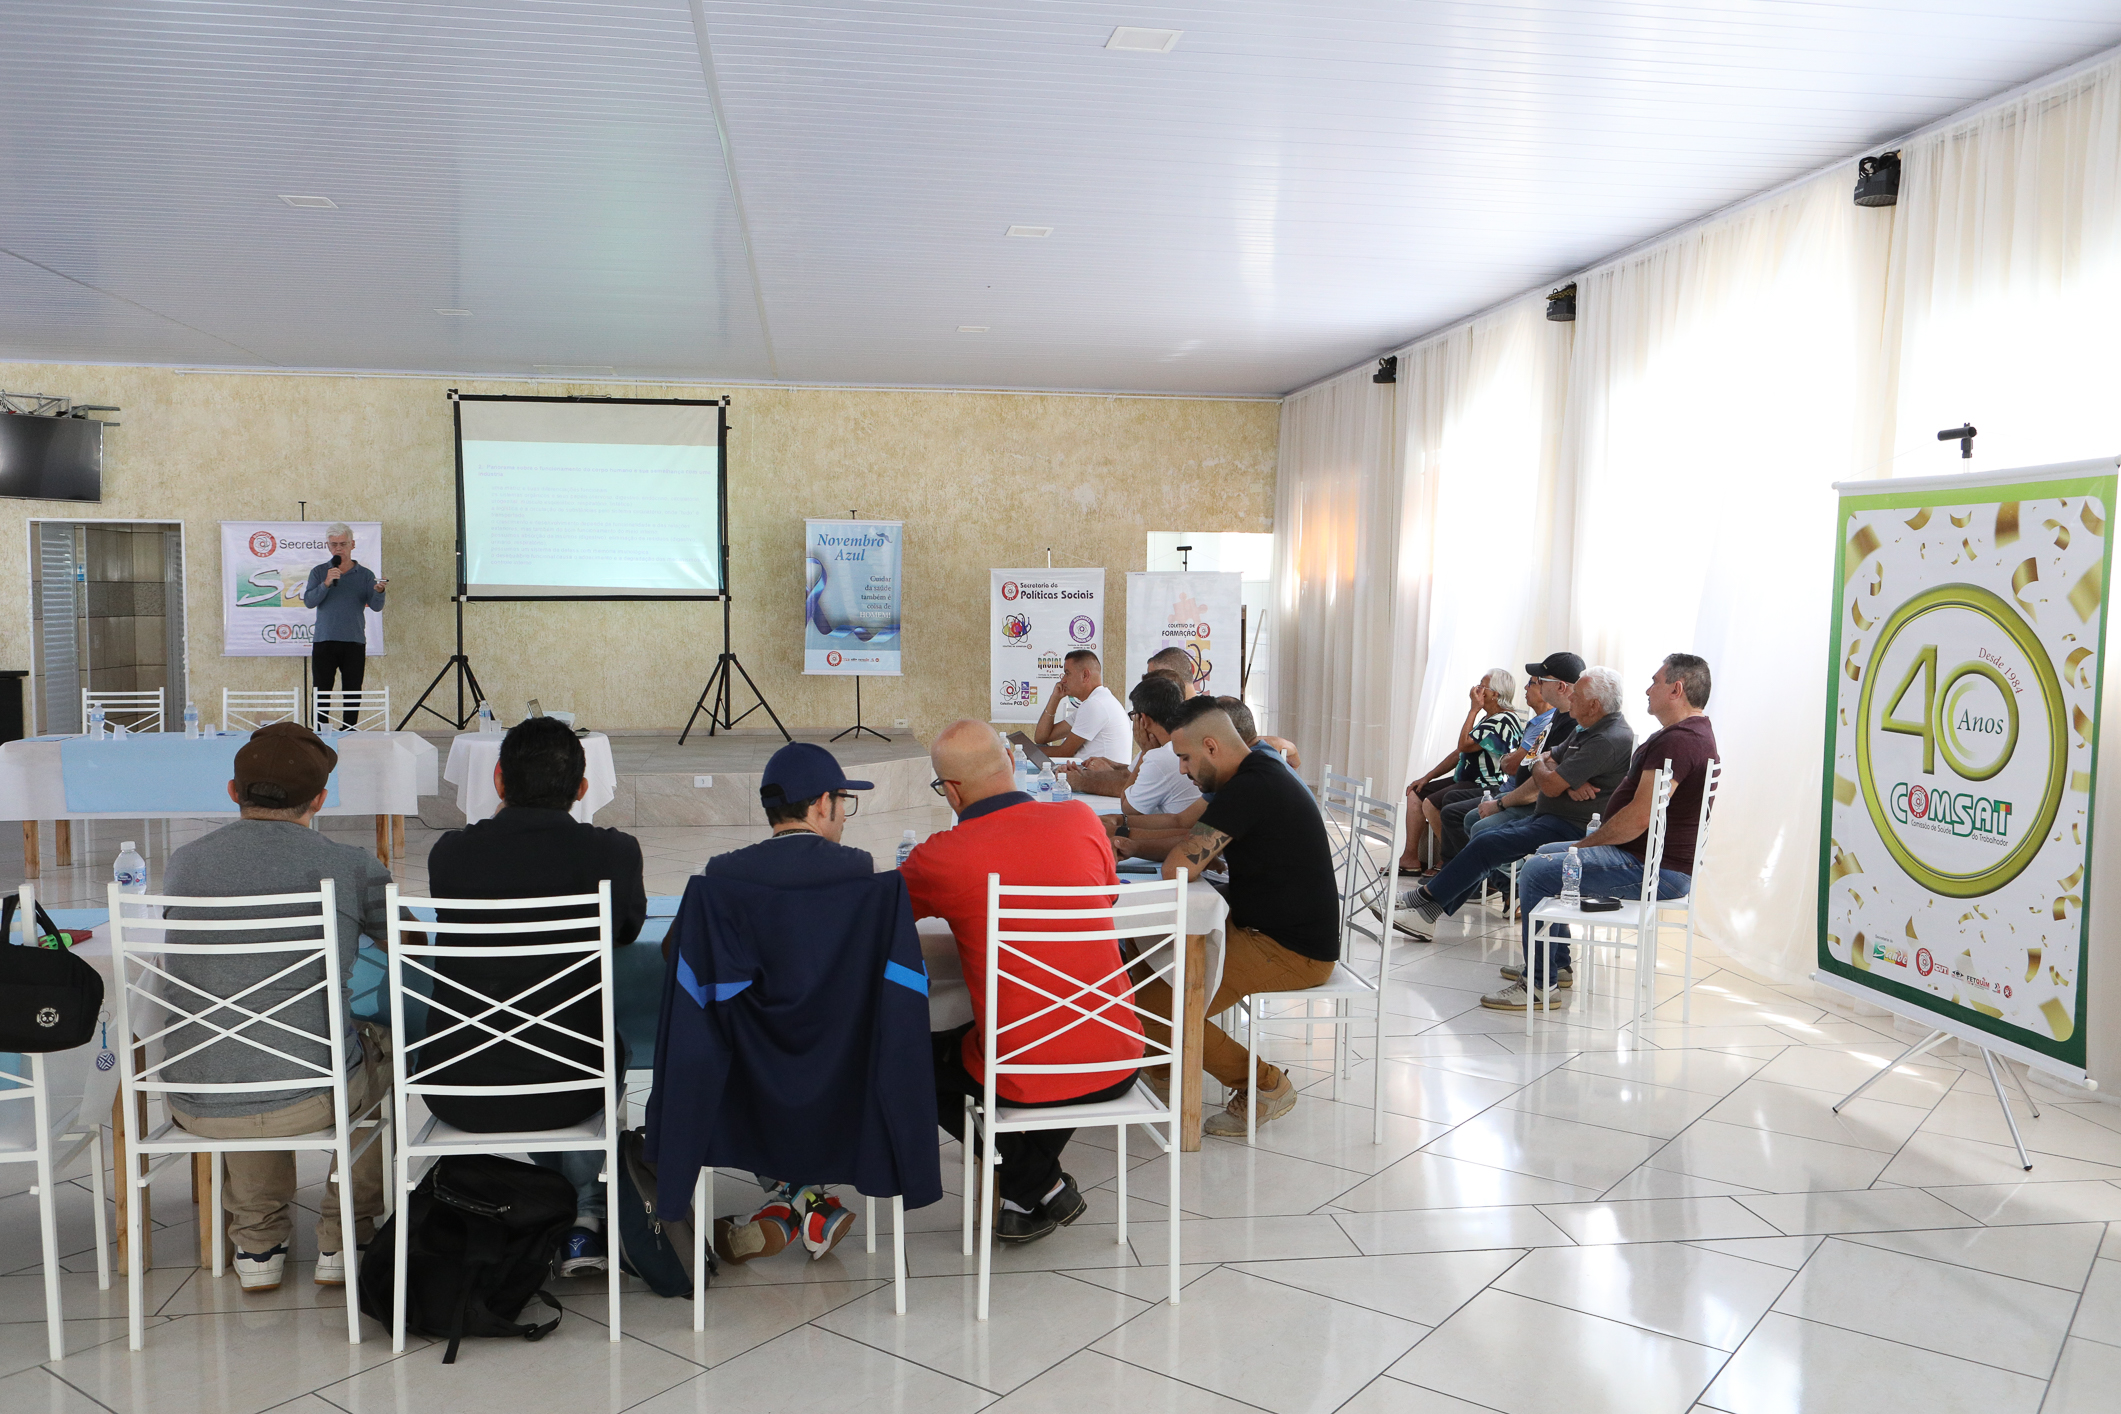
51, 458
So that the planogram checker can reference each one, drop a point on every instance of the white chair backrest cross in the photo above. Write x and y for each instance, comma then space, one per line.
1633, 926
1097, 1001
134, 711
1337, 795
50, 1130
248, 711
170, 1019
1711, 784
365, 711
579, 970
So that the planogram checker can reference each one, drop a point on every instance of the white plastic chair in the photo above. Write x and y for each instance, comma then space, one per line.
495, 1020
1154, 914
1633, 927
1711, 782
50, 1131
144, 708
248, 711
369, 708
1368, 901
151, 996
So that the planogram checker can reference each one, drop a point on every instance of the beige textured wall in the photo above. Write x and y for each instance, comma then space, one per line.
982, 480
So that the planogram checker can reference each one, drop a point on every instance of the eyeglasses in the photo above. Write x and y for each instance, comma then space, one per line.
936, 785
850, 804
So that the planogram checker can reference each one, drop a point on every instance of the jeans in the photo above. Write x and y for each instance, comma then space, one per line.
1607, 869
1460, 879
580, 1167
348, 661
1475, 824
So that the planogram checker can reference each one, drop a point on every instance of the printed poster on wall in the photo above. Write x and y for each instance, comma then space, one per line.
265, 565
1961, 752
851, 603
1038, 617
1200, 612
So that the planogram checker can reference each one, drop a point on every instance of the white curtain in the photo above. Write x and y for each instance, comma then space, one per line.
1483, 418
1343, 639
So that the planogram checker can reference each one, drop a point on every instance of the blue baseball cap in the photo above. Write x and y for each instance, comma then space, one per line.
803, 770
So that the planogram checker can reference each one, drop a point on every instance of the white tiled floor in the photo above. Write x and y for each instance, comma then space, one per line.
1572, 1224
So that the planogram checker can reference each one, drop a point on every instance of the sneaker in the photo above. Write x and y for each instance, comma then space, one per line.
583, 1251
1273, 1103
1014, 1227
1406, 922
331, 1269
824, 1220
1516, 997
1563, 977
261, 1271
770, 1229
1067, 1205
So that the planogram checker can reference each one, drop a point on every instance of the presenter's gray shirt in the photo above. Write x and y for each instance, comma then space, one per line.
262, 857
339, 605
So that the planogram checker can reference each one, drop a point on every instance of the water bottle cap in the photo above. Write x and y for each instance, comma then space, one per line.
125, 846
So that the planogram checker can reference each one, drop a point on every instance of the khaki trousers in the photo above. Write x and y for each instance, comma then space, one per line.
1252, 962
259, 1189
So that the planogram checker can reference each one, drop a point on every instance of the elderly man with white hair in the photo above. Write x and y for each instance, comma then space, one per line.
339, 589
1489, 733
1571, 783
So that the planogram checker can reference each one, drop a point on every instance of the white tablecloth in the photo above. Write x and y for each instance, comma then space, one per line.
379, 773
950, 1001
470, 770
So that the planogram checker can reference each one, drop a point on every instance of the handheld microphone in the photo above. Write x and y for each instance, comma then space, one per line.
338, 562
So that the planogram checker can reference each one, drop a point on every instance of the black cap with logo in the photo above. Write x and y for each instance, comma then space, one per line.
1565, 666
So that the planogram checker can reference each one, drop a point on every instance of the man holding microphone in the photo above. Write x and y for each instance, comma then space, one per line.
339, 590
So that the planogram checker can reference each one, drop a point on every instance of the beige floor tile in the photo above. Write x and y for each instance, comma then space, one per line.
1789, 1253
2010, 1204
1451, 1230
738, 1318
1089, 1380
1613, 1102
1244, 1239
1585, 1155
809, 1368
1777, 1162
2099, 1313
233, 1365
1809, 1114
1655, 1220
2084, 1382
1431, 1180
1037, 1320
1863, 1210
1791, 1366
1668, 1287
1423, 1287
2059, 1255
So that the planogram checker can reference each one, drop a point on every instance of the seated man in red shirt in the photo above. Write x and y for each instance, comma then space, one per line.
1001, 830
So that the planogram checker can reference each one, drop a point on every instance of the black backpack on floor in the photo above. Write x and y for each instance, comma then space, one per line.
483, 1234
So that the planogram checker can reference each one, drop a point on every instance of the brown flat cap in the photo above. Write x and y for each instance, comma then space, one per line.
283, 767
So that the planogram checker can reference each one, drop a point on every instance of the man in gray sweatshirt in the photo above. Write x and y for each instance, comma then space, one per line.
339, 590
282, 775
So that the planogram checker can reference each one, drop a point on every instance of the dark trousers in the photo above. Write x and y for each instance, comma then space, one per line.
1451, 806
1030, 1161
348, 661
1457, 881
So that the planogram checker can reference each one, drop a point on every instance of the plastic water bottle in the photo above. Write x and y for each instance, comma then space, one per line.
1061, 789
96, 722
487, 725
1048, 784
1572, 878
905, 846
1592, 828
191, 721
129, 873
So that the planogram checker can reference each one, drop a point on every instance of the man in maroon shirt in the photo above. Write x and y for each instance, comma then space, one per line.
1001, 830
1613, 858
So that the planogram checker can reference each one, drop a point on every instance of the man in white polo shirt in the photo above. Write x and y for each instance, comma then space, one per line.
1096, 724
1161, 803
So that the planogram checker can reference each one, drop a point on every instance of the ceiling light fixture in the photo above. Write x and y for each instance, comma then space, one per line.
311, 203
454, 313
971, 328
1144, 41
1031, 232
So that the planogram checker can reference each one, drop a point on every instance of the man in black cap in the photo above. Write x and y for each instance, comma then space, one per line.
283, 776
1547, 682
808, 801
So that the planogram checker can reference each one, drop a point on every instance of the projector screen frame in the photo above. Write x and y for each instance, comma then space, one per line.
721, 459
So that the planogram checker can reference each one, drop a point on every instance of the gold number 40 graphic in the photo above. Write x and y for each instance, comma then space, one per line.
1935, 725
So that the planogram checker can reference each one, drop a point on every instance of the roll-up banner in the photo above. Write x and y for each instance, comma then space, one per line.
1038, 617
851, 622
1200, 613
265, 566
1962, 744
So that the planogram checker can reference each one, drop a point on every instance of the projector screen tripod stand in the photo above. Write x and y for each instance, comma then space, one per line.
466, 677
718, 697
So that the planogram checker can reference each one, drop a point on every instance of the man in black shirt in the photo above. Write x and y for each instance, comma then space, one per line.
808, 801
534, 849
1284, 929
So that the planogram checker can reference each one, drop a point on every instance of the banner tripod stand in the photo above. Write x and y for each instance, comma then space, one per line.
721, 685
857, 729
1930, 1043
461, 665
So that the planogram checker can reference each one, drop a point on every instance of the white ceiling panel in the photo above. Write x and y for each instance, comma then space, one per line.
1294, 186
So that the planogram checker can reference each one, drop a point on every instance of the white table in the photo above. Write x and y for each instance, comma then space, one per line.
383, 774
473, 755
1207, 915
